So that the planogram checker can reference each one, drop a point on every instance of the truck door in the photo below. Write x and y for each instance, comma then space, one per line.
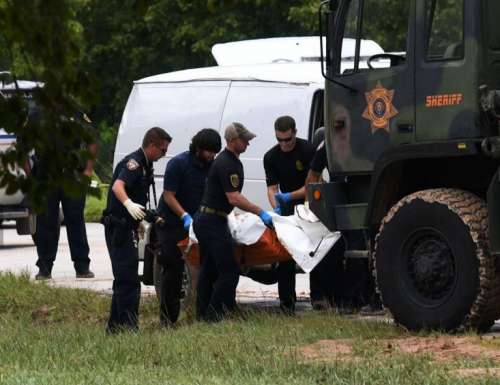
373, 107
446, 91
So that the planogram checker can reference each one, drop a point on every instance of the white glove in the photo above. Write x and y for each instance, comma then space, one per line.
134, 209
306, 207
141, 230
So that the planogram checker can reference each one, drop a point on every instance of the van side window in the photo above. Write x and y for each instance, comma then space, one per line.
445, 25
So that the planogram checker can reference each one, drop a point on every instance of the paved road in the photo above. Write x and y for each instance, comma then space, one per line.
18, 253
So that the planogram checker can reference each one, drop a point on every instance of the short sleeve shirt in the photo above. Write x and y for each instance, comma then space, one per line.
226, 175
187, 178
288, 169
136, 173
320, 160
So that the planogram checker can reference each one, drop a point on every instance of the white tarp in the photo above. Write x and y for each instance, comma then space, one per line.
302, 234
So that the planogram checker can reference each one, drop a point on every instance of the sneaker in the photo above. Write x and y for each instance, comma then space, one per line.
42, 275
370, 310
84, 274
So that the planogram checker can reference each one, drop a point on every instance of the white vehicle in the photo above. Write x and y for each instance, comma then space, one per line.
15, 207
184, 102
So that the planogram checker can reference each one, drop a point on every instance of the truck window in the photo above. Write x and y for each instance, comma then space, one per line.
445, 25
384, 30
493, 10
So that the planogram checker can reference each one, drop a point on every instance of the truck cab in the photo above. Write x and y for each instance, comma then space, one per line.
414, 134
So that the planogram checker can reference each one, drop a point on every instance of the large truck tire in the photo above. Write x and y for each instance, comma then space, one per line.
433, 267
189, 282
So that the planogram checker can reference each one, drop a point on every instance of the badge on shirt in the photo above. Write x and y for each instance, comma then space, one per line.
320, 145
299, 165
132, 165
235, 180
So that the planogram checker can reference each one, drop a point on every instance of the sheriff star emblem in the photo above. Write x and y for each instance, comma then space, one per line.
380, 108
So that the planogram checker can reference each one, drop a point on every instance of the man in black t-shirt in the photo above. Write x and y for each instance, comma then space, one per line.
286, 166
219, 275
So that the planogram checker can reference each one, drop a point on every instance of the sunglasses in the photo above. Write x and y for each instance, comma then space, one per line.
163, 150
286, 140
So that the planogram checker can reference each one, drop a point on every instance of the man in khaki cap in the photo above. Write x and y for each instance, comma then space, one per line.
219, 275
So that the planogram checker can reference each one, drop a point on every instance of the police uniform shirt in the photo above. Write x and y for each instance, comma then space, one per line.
187, 178
288, 169
135, 171
226, 175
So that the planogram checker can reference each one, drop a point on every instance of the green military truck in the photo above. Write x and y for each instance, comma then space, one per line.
414, 136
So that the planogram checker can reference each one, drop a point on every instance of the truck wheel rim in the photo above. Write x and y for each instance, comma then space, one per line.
428, 268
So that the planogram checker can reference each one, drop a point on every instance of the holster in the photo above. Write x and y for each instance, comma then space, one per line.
119, 225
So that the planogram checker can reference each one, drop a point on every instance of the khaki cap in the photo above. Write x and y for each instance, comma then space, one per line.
238, 130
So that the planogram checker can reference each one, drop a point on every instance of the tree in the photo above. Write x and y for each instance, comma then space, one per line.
171, 35
42, 39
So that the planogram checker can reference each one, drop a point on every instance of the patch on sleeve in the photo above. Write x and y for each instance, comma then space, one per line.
86, 118
132, 165
235, 180
320, 145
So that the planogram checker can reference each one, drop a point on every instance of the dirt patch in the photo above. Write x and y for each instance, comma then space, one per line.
478, 372
327, 350
43, 313
443, 349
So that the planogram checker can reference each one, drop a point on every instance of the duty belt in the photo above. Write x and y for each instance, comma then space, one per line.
210, 210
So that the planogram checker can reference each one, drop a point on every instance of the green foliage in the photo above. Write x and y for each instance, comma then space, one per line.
123, 46
94, 206
60, 42
43, 40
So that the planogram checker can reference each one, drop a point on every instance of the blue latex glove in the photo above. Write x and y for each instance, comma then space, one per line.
277, 210
266, 218
286, 197
187, 221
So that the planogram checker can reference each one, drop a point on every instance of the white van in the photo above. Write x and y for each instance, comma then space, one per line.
184, 102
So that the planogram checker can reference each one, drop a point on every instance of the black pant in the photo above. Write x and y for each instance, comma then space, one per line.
48, 230
342, 282
124, 313
327, 279
170, 257
219, 273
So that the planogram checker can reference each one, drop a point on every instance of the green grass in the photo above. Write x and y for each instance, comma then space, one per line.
56, 336
93, 208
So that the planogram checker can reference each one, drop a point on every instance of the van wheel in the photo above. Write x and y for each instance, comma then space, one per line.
189, 282
433, 266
